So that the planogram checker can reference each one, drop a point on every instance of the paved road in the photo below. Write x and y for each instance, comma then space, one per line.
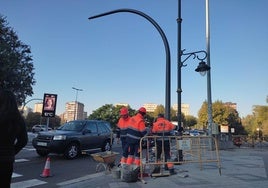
28, 167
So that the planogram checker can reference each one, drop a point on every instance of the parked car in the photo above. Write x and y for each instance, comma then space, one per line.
73, 137
194, 133
174, 133
38, 128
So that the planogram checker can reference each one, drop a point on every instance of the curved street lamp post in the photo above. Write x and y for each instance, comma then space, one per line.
34, 99
202, 67
167, 49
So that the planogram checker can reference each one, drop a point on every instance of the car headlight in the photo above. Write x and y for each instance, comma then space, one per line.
59, 137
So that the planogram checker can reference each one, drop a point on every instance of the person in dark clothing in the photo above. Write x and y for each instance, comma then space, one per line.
162, 128
13, 135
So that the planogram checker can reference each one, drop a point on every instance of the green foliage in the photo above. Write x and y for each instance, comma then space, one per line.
36, 119
160, 109
222, 115
174, 117
110, 113
259, 119
190, 121
16, 67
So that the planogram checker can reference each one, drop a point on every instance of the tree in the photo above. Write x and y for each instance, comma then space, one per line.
16, 66
190, 121
110, 113
222, 115
259, 119
160, 109
35, 118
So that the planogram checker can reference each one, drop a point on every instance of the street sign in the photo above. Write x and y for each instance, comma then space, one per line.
185, 144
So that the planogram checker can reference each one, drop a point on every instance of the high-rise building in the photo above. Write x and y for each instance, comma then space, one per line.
185, 108
150, 107
38, 107
121, 104
74, 111
231, 104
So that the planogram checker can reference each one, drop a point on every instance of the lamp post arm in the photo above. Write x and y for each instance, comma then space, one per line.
164, 38
22, 109
194, 54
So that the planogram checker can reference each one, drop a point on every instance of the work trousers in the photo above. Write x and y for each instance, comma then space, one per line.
123, 142
166, 149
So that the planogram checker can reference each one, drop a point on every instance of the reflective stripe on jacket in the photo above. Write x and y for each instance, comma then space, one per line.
123, 124
136, 129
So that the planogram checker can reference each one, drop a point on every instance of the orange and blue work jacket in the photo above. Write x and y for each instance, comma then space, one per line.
122, 125
136, 129
162, 127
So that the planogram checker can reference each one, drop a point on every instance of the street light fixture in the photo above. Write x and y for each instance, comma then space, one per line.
258, 130
202, 67
75, 105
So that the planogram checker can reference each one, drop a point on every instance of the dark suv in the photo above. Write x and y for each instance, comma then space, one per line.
73, 137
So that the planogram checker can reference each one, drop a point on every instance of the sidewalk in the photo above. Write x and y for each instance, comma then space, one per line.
244, 167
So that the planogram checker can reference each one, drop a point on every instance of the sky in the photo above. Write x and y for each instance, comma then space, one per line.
121, 58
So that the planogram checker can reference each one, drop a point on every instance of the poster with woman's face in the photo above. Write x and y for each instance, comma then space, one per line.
49, 105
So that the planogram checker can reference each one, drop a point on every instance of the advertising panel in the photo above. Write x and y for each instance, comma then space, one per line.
49, 105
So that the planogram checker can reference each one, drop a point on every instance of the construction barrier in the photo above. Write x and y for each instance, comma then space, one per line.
194, 149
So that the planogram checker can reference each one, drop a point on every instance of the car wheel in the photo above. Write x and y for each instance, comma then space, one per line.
72, 151
106, 146
42, 153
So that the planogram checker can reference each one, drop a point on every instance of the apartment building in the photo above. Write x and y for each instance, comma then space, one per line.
121, 104
185, 108
150, 107
38, 107
74, 111
231, 104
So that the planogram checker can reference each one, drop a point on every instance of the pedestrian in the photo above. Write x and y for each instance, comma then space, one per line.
13, 135
122, 126
162, 128
136, 130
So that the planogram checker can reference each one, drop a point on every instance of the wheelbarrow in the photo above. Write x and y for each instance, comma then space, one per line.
106, 160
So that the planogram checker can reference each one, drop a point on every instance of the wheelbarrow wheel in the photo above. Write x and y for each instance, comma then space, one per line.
101, 167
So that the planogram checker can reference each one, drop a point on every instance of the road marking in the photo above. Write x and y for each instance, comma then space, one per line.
29, 149
91, 176
14, 175
27, 183
20, 160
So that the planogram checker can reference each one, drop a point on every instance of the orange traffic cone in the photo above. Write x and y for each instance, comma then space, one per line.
46, 171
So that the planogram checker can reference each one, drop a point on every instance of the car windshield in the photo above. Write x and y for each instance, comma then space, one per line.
72, 126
